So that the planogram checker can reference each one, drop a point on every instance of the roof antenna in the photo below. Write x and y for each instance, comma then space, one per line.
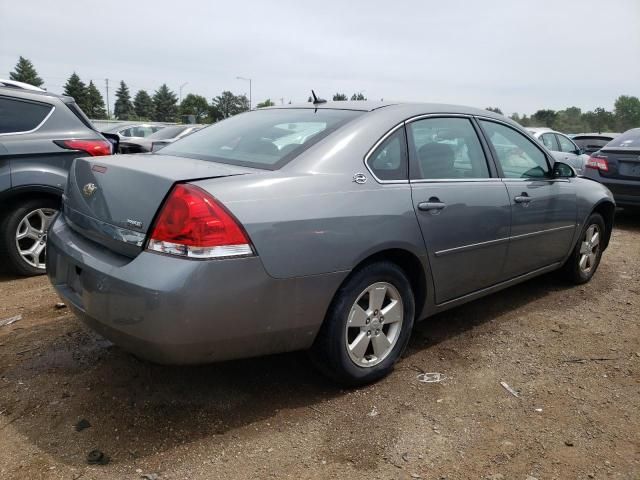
317, 100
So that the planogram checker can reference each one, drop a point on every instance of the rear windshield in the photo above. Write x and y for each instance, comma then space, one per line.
630, 138
266, 139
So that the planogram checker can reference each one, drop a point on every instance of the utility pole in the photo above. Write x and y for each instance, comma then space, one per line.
180, 96
106, 82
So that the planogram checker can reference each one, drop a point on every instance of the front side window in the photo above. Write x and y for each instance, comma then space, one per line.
17, 116
265, 139
549, 141
518, 156
566, 145
389, 160
445, 148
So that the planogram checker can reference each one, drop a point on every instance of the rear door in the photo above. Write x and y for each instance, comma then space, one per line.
462, 207
543, 208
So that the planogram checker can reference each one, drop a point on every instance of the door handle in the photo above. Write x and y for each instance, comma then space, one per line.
434, 205
524, 198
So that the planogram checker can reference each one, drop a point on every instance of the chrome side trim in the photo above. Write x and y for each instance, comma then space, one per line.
541, 232
497, 241
373, 149
472, 246
44, 120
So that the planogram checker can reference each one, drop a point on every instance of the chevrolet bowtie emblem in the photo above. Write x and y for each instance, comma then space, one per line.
89, 189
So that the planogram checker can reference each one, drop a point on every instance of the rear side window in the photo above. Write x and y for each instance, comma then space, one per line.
518, 156
80, 114
266, 139
566, 145
630, 138
549, 141
17, 116
445, 148
389, 160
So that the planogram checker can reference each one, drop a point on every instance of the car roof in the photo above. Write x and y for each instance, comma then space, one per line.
603, 134
415, 108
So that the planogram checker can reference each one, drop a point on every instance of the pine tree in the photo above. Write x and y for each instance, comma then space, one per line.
95, 104
165, 104
123, 108
77, 89
26, 72
143, 105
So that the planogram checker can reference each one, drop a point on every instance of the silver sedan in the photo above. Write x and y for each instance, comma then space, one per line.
331, 227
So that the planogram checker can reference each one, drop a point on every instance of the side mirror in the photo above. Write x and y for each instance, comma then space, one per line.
578, 151
563, 170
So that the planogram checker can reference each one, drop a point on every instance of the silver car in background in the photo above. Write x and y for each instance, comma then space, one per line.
326, 226
562, 147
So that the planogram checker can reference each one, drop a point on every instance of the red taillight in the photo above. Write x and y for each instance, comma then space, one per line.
95, 148
193, 224
599, 163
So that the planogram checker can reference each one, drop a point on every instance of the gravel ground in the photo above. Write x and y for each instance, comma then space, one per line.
572, 353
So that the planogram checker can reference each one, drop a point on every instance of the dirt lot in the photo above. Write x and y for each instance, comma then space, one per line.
573, 353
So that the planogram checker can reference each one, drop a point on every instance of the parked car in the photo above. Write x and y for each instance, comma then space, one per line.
229, 244
127, 131
592, 142
158, 139
562, 147
617, 165
40, 135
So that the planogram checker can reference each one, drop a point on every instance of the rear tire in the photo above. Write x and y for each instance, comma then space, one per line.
357, 345
585, 258
29, 220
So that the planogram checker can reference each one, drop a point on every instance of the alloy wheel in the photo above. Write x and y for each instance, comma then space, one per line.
374, 324
31, 236
589, 249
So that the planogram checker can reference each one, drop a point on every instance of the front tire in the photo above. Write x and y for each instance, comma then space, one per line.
367, 326
584, 261
23, 235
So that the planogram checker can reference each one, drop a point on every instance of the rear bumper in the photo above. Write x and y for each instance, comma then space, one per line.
178, 311
625, 192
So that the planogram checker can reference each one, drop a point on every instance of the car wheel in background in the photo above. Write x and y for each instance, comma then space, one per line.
367, 326
23, 235
584, 261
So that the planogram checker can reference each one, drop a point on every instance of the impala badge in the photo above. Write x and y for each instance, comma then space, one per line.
134, 223
89, 189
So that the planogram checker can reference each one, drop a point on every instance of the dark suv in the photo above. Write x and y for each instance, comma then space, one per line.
40, 135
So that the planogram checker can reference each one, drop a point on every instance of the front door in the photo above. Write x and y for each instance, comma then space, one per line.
463, 209
543, 208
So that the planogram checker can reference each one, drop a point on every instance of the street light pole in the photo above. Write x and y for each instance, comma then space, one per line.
248, 80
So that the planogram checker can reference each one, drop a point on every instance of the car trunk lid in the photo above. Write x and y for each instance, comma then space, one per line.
113, 200
623, 163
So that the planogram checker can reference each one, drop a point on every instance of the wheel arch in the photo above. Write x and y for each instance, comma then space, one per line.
12, 196
410, 264
607, 210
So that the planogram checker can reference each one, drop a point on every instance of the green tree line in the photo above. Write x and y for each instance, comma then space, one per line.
162, 105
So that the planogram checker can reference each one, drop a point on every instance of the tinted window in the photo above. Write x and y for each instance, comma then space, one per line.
443, 148
140, 130
389, 160
549, 141
566, 145
630, 138
18, 116
592, 144
518, 156
262, 139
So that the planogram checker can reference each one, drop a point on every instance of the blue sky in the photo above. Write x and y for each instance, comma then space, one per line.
519, 56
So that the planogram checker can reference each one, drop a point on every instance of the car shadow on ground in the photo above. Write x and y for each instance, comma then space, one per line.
137, 409
628, 219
